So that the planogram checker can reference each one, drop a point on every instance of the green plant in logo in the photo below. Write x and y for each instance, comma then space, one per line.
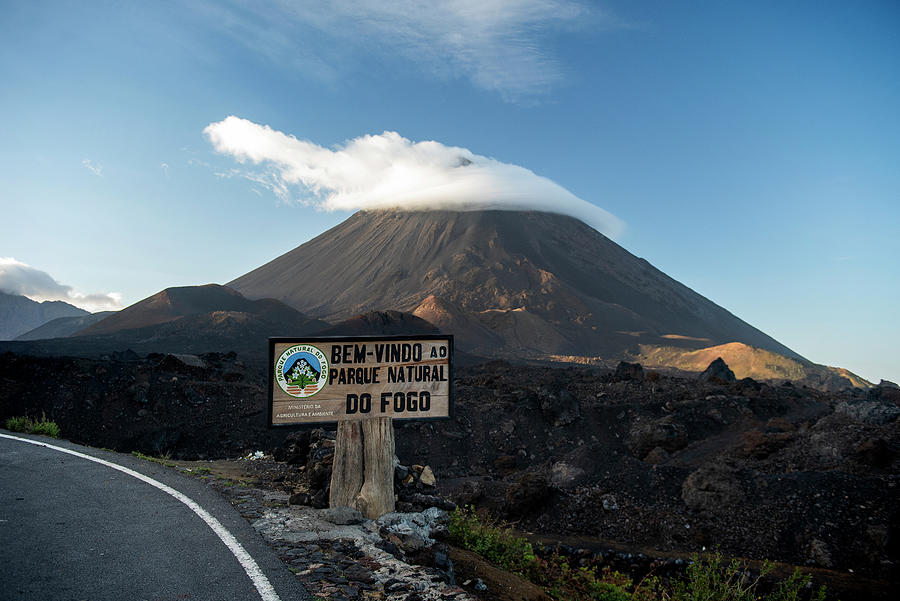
301, 370
302, 381
302, 374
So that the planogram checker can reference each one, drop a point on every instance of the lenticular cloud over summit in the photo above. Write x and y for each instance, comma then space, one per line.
390, 171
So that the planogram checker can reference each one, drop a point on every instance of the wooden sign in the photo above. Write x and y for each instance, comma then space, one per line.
355, 378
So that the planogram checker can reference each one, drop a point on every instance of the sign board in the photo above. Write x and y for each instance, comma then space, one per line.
351, 378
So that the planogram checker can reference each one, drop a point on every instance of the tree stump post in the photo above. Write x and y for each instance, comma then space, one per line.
347, 469
362, 476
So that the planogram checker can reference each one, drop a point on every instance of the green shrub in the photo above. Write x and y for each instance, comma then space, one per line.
584, 583
493, 542
46, 428
789, 590
27, 425
710, 579
18, 424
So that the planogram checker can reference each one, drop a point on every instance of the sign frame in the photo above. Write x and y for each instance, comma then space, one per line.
273, 340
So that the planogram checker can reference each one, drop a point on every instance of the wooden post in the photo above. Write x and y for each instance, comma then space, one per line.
347, 470
363, 473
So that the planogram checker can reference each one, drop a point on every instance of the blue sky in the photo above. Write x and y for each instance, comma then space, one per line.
750, 150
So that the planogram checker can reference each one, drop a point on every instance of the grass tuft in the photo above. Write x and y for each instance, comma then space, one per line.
26, 425
160, 460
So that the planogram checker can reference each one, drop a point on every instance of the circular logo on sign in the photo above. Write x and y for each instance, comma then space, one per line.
301, 370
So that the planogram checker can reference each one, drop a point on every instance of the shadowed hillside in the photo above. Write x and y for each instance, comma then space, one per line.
175, 303
64, 326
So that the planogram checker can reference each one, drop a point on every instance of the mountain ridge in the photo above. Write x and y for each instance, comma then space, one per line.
19, 314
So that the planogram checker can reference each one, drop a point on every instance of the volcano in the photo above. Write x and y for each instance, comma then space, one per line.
524, 283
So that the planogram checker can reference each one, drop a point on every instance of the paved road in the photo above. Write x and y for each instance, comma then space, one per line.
72, 529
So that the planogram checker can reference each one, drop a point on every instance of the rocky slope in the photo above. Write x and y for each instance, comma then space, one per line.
599, 459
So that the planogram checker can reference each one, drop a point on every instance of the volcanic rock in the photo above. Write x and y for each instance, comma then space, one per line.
565, 475
717, 372
820, 554
558, 406
629, 371
529, 491
343, 516
609, 502
714, 487
869, 411
664, 433
657, 455
427, 477
295, 449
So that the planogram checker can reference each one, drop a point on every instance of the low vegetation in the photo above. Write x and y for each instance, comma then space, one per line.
496, 544
160, 460
27, 425
707, 578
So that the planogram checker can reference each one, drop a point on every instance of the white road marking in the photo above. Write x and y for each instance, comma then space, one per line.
262, 584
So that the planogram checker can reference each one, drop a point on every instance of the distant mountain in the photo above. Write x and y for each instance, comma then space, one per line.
20, 314
64, 326
507, 283
190, 319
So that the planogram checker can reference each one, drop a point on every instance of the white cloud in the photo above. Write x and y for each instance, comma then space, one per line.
165, 168
90, 166
390, 171
22, 279
499, 45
